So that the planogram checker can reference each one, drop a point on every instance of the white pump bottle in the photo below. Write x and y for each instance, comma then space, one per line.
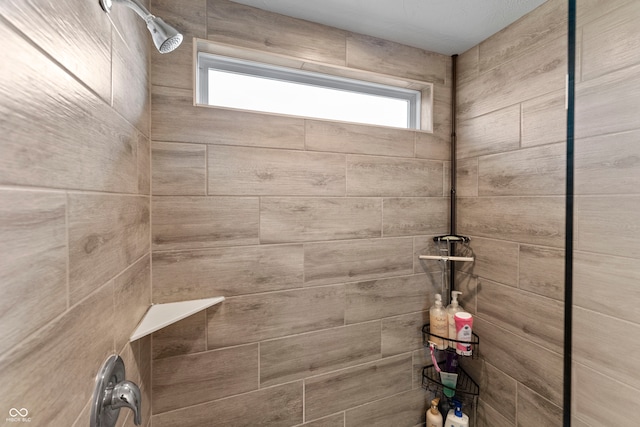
456, 418
452, 309
438, 324
434, 417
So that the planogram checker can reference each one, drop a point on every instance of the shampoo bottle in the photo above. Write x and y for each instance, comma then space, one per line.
434, 417
456, 418
452, 309
438, 324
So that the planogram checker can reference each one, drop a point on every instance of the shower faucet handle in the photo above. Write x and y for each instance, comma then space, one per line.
113, 392
126, 394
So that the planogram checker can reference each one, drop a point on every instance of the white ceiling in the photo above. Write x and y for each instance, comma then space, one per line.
443, 26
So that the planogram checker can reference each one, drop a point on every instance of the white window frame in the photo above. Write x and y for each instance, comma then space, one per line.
207, 61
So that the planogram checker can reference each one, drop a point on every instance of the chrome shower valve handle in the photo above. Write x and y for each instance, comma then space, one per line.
126, 394
113, 392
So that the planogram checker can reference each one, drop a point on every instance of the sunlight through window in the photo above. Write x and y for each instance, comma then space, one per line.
226, 82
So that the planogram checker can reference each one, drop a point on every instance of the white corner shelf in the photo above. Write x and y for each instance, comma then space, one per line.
160, 315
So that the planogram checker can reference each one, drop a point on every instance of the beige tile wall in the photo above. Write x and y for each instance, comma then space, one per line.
511, 186
606, 272
75, 270
511, 169
313, 178
327, 226
310, 228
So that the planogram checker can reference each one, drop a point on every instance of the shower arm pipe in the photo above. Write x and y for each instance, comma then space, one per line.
134, 5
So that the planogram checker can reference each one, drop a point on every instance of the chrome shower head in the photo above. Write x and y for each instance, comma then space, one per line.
165, 37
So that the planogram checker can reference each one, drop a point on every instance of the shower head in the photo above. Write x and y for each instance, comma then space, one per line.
165, 37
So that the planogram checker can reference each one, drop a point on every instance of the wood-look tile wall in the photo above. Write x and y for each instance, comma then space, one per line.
511, 175
310, 228
75, 269
316, 248
606, 271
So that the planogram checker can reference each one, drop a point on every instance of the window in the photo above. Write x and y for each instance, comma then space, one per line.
235, 83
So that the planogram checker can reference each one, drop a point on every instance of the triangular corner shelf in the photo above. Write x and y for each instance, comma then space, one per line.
160, 315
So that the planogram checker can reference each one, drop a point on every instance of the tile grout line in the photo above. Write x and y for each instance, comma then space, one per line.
206, 330
260, 222
478, 176
516, 400
54, 190
304, 400
382, 217
521, 125
518, 260
68, 243
206, 17
346, 175
206, 170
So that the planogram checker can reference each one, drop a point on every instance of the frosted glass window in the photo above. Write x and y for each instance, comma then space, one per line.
227, 82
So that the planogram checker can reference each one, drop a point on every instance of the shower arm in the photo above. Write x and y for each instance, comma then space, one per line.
131, 4
165, 37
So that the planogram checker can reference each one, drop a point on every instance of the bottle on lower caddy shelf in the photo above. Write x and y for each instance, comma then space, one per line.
449, 376
434, 417
455, 417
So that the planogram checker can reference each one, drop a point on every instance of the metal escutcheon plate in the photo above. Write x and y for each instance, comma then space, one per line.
112, 373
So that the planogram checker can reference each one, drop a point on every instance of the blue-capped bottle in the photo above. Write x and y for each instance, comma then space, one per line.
456, 418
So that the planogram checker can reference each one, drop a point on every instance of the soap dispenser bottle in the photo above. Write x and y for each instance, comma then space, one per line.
452, 309
456, 418
438, 324
434, 417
